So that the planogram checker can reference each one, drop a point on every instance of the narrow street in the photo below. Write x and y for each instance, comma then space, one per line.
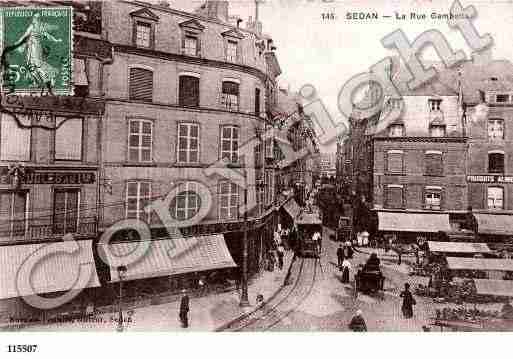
328, 305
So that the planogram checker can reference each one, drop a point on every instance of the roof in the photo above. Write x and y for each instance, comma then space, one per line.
49, 267
458, 247
168, 256
500, 288
480, 264
413, 222
309, 218
501, 224
292, 208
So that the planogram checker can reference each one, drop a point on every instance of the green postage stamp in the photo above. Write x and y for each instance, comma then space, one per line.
37, 45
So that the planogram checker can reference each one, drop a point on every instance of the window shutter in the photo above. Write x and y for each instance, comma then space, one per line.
395, 162
394, 197
257, 102
434, 164
495, 163
189, 91
141, 84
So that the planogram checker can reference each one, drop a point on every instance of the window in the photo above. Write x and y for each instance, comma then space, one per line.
228, 200
188, 143
433, 198
13, 213
138, 195
394, 196
141, 84
261, 200
143, 34
495, 162
437, 130
187, 203
502, 98
191, 45
65, 210
495, 198
396, 130
188, 91
258, 153
14, 140
140, 141
495, 129
394, 161
434, 105
433, 163
230, 95
231, 51
230, 143
80, 80
68, 139
257, 102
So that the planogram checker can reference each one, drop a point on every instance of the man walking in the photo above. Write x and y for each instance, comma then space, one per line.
184, 310
281, 254
408, 301
340, 257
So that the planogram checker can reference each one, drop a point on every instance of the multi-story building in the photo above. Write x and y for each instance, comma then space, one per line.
184, 93
50, 154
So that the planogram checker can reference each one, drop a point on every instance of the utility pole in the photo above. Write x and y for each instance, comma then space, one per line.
244, 301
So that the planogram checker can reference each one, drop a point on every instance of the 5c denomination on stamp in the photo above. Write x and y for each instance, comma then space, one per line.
37, 46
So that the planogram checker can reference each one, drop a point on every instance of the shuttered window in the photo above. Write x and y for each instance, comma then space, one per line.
189, 91
141, 84
65, 210
14, 140
257, 102
496, 162
434, 164
394, 197
395, 162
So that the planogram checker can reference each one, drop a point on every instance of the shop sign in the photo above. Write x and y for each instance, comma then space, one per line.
489, 179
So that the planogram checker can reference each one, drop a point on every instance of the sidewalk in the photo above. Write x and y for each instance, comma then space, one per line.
206, 313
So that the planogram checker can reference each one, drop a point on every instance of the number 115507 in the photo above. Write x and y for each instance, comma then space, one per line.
22, 348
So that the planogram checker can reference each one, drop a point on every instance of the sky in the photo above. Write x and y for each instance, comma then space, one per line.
326, 53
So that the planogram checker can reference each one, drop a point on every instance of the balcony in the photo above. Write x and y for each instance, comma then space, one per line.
21, 231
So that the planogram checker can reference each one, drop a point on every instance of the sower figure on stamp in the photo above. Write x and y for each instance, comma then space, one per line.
184, 309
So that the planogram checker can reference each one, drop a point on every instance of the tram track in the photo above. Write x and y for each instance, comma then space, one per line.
280, 306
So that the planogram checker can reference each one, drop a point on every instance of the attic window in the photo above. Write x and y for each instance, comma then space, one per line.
494, 79
434, 104
502, 98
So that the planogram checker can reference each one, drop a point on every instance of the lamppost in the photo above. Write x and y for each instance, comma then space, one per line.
121, 274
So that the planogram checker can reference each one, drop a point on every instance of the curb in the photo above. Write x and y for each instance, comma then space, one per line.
226, 325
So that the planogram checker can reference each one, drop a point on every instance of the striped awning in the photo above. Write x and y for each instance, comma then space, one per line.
46, 268
483, 264
413, 222
292, 208
500, 288
501, 224
458, 247
167, 257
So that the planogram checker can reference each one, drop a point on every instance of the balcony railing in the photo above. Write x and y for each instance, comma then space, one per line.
26, 231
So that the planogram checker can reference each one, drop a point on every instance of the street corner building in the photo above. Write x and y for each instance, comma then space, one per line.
160, 97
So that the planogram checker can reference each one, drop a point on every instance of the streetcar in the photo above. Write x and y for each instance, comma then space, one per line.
308, 223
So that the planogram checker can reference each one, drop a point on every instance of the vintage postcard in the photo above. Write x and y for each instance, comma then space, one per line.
256, 166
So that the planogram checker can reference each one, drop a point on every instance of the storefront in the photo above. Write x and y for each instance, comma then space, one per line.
494, 228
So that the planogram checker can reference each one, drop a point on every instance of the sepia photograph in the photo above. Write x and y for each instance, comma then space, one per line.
255, 166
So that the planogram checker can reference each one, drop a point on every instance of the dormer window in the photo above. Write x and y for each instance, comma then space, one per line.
231, 44
434, 104
191, 37
143, 22
502, 98
437, 130
396, 130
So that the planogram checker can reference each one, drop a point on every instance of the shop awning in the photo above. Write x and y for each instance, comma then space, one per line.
169, 257
292, 208
45, 268
500, 288
484, 264
458, 247
501, 224
413, 222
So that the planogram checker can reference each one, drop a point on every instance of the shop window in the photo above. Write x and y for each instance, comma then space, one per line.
495, 198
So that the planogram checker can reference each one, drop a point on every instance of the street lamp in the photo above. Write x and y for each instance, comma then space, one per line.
121, 273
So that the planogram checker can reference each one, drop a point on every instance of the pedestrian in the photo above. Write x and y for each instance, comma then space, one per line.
408, 301
340, 256
399, 256
357, 323
281, 253
317, 238
346, 267
365, 238
184, 309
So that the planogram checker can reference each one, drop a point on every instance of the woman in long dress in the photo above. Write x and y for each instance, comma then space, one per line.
346, 267
32, 43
